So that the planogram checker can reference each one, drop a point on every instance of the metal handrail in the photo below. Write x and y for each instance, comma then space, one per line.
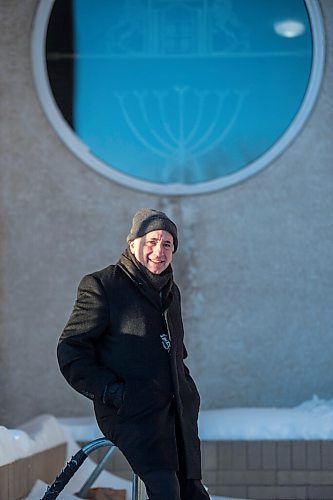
95, 473
53, 491
138, 488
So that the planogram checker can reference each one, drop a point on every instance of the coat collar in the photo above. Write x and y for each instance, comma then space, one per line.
160, 299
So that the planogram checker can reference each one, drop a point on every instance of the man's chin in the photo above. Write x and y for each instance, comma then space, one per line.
155, 269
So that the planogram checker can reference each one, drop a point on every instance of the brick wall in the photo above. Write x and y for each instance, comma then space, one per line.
269, 469
260, 469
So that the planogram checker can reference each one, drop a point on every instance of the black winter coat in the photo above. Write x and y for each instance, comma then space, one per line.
113, 334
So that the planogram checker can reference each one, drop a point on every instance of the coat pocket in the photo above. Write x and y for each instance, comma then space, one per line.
122, 410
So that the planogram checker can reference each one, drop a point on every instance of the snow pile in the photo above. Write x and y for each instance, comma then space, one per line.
39, 434
82, 429
311, 420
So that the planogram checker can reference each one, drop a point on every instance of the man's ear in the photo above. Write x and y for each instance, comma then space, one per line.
131, 245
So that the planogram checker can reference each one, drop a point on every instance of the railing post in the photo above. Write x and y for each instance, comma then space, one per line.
138, 488
96, 472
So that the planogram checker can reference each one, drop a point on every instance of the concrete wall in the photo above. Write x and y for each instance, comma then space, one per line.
254, 263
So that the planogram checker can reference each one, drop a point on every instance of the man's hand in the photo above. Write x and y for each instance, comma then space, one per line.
114, 394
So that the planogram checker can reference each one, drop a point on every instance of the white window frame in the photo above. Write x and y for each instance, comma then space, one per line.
83, 153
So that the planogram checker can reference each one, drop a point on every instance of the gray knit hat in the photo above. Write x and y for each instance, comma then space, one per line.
148, 219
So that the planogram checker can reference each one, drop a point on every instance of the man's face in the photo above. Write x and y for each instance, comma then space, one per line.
153, 250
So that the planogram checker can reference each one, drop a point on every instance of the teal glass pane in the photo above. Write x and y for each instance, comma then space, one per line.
175, 91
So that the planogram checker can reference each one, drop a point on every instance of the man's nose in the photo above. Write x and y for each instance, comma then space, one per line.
159, 248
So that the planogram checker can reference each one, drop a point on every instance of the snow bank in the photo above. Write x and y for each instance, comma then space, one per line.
39, 434
82, 429
311, 420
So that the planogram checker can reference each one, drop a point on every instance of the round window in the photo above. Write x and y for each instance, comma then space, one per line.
176, 96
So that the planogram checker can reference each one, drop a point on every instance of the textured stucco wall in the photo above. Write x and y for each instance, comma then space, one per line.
254, 264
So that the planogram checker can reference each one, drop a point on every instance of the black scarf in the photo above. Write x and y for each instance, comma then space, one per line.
159, 284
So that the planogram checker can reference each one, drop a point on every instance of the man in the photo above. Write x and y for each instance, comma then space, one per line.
123, 348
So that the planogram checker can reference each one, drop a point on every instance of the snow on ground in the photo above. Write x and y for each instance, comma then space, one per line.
312, 419
39, 434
